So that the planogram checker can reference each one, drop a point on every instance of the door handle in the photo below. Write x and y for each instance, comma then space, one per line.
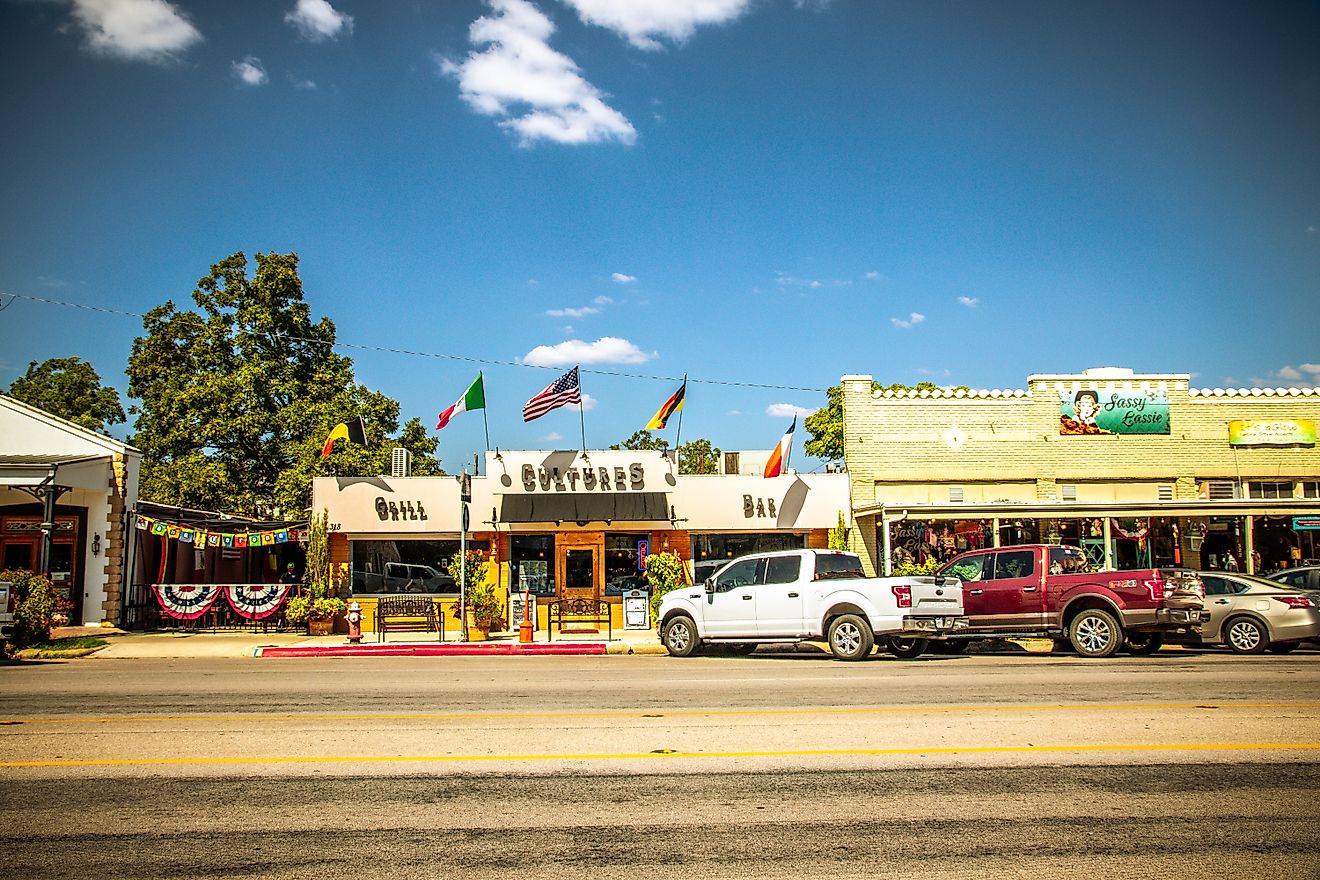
747, 597
1028, 589
976, 592
1221, 601
792, 595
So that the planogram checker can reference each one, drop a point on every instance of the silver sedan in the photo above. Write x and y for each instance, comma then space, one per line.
1250, 614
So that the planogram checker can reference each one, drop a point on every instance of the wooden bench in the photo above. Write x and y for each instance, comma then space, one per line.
409, 615
578, 612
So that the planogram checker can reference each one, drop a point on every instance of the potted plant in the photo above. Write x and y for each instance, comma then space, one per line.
484, 609
315, 605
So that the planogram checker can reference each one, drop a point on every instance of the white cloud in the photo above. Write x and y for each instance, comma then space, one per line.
1313, 369
1313, 229
970, 301
540, 93
603, 301
904, 323
572, 313
620, 278
645, 22
134, 30
606, 350
303, 84
250, 72
532, 282
553, 436
1290, 374
317, 20
788, 410
785, 280
588, 403
734, 412
875, 276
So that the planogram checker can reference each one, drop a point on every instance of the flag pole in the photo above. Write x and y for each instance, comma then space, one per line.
582, 409
484, 421
679, 433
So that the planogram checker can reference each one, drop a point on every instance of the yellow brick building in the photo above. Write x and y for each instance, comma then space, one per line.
1138, 469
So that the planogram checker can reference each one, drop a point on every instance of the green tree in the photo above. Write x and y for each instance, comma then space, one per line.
238, 396
698, 457
642, 439
825, 425
71, 389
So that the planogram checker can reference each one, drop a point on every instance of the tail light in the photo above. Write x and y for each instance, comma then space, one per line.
1156, 587
1295, 601
904, 596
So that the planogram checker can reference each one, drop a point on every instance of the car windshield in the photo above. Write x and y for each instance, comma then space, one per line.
838, 565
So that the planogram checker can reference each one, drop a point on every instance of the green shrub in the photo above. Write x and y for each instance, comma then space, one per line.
34, 606
665, 572
482, 598
910, 569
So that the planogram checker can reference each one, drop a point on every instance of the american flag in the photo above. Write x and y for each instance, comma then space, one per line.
561, 392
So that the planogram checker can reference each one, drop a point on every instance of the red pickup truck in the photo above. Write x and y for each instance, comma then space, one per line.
1045, 591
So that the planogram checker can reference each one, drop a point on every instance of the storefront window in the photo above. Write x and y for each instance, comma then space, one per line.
914, 542
406, 566
622, 571
532, 564
709, 552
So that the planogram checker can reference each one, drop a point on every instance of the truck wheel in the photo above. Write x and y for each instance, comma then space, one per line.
948, 646
851, 638
740, 650
1143, 644
907, 649
1095, 633
1284, 647
1244, 635
680, 636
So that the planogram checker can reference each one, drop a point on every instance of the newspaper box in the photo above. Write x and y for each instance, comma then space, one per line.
636, 609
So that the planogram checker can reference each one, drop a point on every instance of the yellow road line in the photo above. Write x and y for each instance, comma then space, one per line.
655, 713
633, 756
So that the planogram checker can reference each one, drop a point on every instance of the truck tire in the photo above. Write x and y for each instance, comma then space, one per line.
680, 636
850, 637
1246, 635
1143, 644
948, 646
1095, 633
907, 649
742, 649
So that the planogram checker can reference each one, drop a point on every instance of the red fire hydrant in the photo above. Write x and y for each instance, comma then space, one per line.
354, 623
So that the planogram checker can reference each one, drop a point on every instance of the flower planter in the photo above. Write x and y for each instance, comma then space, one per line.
320, 626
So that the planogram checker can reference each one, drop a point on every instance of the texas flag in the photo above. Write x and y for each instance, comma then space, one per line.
779, 457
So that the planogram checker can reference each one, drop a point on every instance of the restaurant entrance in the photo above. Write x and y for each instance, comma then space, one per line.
579, 564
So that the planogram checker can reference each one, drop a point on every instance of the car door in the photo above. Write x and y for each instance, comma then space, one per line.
1016, 597
1219, 601
730, 608
971, 570
779, 597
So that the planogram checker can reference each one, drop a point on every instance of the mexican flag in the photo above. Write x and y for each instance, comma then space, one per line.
473, 398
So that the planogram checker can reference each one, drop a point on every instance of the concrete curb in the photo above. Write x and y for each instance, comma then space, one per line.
468, 649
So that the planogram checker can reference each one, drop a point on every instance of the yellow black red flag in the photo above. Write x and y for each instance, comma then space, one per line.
670, 406
354, 430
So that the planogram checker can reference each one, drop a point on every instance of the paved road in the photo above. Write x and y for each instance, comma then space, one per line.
1193, 765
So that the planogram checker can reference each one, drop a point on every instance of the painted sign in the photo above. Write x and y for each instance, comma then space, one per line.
1113, 411
1306, 523
1271, 432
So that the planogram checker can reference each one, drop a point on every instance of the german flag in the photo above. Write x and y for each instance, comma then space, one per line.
670, 406
354, 430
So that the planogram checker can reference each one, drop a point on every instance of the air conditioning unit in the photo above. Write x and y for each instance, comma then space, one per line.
400, 462
1068, 492
955, 493
1217, 490
1165, 493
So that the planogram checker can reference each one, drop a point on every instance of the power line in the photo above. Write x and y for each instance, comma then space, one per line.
451, 357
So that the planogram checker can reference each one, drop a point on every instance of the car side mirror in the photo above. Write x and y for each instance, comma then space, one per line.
709, 585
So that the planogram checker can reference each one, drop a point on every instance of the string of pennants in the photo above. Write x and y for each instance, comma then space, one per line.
207, 538
191, 601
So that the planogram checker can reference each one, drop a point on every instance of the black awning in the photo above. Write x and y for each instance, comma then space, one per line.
568, 507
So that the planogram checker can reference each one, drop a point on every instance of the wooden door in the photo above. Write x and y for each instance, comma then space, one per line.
580, 565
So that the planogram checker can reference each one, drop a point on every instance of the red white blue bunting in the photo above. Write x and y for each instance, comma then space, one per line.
256, 601
186, 601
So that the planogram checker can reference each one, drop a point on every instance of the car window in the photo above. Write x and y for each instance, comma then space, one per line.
741, 574
838, 565
782, 569
1214, 586
1292, 578
968, 569
1014, 564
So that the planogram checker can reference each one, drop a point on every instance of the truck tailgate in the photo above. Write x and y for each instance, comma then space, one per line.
932, 598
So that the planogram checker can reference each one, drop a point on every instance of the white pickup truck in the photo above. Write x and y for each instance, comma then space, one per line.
809, 595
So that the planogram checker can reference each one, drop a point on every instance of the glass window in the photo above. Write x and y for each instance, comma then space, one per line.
838, 565
531, 564
406, 566
1014, 564
740, 574
1311, 489
710, 551
1214, 586
622, 566
1269, 490
782, 569
968, 568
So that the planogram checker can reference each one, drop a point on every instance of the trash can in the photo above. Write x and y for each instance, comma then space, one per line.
636, 609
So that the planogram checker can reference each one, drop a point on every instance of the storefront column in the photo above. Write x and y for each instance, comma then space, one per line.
1249, 541
1108, 533
994, 532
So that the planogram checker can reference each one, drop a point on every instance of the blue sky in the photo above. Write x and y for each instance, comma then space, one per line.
753, 192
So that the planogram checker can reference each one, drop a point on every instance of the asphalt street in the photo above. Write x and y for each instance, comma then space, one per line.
1184, 764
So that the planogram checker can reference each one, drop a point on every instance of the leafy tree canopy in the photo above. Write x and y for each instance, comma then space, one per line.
238, 396
71, 389
825, 425
642, 439
698, 457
